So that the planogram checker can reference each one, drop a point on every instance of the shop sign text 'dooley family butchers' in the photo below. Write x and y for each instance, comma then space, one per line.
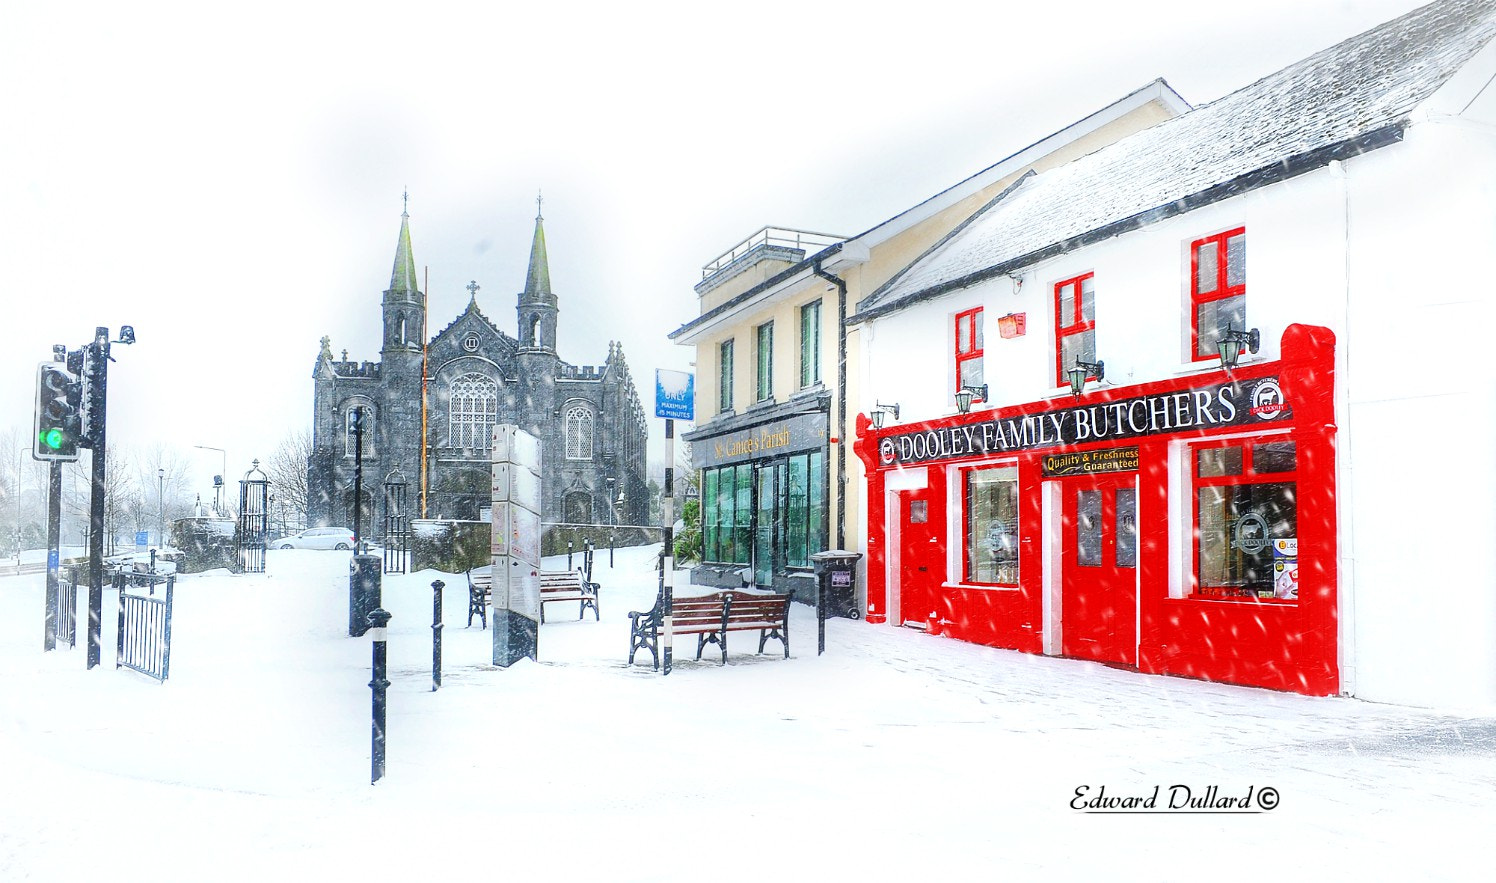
1228, 404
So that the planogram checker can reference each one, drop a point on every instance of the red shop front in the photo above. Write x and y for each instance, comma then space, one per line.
1183, 527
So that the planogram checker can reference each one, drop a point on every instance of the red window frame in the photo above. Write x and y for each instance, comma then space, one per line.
1076, 324
1222, 289
1248, 475
975, 343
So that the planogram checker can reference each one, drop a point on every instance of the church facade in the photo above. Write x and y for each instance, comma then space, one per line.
429, 406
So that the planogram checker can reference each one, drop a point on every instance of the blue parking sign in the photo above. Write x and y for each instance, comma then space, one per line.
675, 394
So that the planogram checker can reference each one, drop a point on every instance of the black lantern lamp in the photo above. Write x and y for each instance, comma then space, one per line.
965, 394
1233, 342
881, 412
1083, 371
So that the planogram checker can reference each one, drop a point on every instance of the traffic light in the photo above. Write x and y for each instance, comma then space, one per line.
57, 425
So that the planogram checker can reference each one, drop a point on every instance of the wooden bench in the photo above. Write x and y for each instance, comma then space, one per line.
555, 585
568, 585
711, 617
480, 590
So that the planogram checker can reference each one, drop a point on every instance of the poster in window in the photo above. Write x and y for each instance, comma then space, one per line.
1286, 568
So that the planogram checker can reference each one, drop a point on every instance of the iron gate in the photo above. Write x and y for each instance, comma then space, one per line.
254, 519
144, 636
396, 540
66, 625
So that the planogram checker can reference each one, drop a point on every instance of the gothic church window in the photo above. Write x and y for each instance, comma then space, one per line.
578, 433
474, 410
350, 437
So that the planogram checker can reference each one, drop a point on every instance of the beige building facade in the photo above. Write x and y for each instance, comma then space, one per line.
778, 382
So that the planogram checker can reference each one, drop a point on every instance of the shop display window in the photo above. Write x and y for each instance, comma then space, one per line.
991, 526
1246, 520
727, 514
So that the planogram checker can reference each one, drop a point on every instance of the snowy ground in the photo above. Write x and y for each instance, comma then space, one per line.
896, 755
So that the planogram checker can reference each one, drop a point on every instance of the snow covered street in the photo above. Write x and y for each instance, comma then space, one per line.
895, 755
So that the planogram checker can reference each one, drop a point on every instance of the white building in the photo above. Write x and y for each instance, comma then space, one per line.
1318, 519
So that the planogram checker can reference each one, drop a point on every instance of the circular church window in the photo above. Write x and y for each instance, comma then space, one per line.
470, 343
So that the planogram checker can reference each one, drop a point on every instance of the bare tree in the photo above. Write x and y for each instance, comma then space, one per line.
287, 470
23, 494
122, 497
162, 484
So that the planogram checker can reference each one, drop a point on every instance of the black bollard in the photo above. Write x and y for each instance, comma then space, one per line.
610, 550
436, 634
379, 619
568, 555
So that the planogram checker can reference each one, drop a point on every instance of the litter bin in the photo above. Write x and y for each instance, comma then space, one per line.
364, 591
837, 570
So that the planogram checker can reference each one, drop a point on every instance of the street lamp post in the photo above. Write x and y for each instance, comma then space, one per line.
612, 518
218, 485
161, 508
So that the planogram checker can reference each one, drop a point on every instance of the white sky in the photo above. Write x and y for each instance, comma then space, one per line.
228, 181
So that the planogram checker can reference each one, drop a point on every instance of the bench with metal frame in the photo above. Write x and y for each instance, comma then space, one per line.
555, 585
711, 617
569, 585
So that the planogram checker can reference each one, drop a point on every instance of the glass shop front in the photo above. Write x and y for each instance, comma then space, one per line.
764, 501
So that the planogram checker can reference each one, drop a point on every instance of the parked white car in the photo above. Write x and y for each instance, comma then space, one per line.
316, 538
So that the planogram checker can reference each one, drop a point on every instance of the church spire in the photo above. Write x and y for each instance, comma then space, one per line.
404, 276
538, 279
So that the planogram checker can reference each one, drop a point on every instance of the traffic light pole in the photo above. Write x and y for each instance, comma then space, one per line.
97, 371
54, 536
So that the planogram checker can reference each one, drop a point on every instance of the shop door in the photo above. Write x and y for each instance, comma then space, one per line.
1099, 604
768, 548
921, 567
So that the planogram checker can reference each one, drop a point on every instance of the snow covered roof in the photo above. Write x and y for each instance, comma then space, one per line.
855, 250
1350, 98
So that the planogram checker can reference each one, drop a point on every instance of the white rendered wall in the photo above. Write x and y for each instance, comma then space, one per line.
1418, 456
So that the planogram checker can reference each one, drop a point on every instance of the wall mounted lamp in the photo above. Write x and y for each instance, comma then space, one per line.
1233, 342
881, 412
1084, 371
965, 394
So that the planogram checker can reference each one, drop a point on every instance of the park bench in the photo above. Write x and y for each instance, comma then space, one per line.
568, 585
555, 585
480, 589
711, 617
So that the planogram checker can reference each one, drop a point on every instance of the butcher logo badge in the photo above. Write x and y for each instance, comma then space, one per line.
886, 451
1267, 400
1251, 533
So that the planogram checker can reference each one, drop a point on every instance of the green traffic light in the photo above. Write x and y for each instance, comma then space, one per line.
53, 439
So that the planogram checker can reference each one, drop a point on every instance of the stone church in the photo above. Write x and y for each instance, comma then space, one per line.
436, 435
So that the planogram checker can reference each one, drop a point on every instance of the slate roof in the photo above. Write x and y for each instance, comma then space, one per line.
1352, 97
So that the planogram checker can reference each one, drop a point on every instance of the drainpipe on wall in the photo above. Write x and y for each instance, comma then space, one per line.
841, 402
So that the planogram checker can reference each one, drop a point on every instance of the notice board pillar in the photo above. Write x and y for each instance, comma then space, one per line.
515, 545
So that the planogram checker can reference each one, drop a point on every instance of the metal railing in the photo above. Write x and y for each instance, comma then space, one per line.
145, 624
803, 240
67, 606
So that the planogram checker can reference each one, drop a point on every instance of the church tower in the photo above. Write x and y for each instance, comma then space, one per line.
398, 425
537, 305
536, 358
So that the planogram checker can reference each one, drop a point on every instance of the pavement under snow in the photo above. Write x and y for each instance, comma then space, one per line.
896, 755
